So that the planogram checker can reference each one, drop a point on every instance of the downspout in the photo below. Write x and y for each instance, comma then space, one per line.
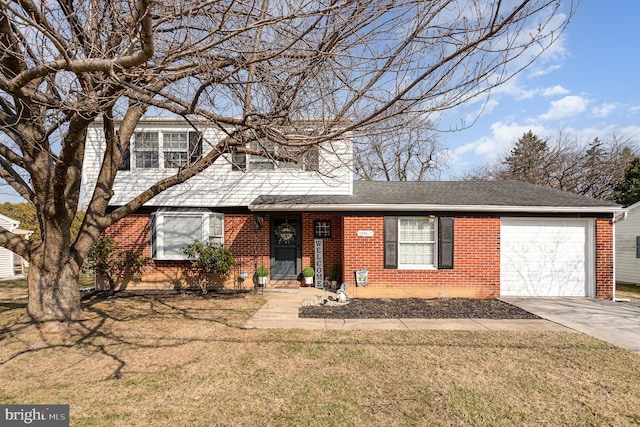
617, 219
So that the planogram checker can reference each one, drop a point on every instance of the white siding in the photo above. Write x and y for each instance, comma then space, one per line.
219, 185
6, 256
627, 265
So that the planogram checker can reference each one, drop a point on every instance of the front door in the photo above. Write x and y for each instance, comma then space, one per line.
286, 247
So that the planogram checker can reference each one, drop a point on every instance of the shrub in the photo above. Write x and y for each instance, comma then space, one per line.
113, 264
210, 258
308, 272
262, 271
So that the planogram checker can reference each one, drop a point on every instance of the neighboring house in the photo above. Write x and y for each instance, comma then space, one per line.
628, 246
8, 258
415, 239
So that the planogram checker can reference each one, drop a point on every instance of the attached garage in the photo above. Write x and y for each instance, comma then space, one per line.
547, 257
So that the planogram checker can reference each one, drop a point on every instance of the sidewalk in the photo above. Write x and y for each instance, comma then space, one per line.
281, 312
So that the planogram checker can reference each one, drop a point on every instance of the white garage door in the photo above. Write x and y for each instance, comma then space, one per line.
546, 257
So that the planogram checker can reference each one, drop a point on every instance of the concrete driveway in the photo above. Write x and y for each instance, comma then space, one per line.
615, 322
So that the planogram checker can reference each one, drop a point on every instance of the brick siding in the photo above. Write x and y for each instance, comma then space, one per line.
476, 271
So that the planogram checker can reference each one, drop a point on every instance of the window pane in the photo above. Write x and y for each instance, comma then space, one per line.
416, 242
179, 231
416, 253
175, 160
216, 232
175, 147
416, 230
146, 149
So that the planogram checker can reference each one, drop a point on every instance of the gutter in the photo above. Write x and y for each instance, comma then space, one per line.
330, 207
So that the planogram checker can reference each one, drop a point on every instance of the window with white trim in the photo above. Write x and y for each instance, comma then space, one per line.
171, 231
309, 162
176, 149
418, 242
145, 149
162, 149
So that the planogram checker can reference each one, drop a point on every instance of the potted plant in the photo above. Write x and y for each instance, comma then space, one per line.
308, 274
262, 273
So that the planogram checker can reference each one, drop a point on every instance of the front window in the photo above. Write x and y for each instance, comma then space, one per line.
146, 149
179, 231
416, 242
216, 229
172, 231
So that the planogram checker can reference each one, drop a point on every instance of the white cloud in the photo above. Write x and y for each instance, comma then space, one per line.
603, 110
568, 106
555, 91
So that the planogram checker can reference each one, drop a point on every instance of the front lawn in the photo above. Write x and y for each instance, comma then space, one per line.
187, 361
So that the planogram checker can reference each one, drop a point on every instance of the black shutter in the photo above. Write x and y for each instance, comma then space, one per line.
390, 242
445, 243
195, 147
637, 246
126, 160
238, 161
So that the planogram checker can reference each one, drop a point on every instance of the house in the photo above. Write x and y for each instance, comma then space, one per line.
8, 258
413, 239
627, 259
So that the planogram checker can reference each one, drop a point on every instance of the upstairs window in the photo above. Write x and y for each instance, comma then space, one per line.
146, 149
162, 150
244, 162
176, 149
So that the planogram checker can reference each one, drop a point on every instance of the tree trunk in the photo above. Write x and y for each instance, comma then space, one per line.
54, 281
54, 295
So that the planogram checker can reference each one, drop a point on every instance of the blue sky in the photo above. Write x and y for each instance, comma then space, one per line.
587, 85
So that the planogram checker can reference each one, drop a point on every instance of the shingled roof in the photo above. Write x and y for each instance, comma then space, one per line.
467, 196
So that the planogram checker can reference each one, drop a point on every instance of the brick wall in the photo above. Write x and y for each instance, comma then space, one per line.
332, 246
604, 258
132, 233
476, 270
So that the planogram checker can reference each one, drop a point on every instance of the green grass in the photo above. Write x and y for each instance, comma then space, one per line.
188, 361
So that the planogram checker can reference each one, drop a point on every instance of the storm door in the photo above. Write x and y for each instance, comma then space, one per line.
286, 247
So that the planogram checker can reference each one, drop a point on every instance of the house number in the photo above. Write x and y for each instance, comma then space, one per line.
365, 233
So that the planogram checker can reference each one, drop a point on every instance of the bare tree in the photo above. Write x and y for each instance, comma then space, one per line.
411, 151
592, 169
253, 69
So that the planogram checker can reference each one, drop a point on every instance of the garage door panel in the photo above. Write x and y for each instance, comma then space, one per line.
544, 257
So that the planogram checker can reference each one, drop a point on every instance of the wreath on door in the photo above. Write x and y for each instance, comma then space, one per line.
286, 233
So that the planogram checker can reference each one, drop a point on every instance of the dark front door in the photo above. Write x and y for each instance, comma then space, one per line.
286, 247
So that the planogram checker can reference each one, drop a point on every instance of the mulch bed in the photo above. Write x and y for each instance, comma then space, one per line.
418, 308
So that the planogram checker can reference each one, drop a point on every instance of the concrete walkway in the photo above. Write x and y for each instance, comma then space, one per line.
615, 322
281, 312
